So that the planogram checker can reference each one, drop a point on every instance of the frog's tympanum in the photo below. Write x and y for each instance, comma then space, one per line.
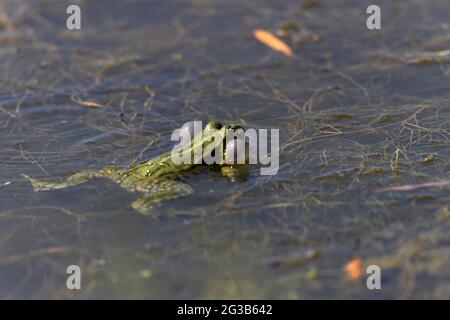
158, 177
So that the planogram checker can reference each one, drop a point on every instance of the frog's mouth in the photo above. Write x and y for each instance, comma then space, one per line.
233, 171
234, 137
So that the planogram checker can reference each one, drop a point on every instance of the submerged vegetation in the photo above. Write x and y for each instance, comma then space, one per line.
359, 111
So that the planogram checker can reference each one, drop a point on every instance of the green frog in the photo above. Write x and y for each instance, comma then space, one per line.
157, 178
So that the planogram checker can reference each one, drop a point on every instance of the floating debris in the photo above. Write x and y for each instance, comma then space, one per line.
421, 197
429, 158
354, 269
146, 273
444, 213
410, 187
5, 184
312, 274
87, 103
90, 104
420, 57
339, 116
297, 260
308, 5
273, 42
297, 34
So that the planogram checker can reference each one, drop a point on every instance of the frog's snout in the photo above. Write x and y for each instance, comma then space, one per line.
233, 127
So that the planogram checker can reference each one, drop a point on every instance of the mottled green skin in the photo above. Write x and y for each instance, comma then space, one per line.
155, 178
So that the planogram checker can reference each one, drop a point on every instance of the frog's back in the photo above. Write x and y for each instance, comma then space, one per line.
159, 167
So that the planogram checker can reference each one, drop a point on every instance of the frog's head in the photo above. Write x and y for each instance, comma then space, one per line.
234, 142
216, 136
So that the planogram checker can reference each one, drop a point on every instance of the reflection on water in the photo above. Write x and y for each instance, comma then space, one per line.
356, 112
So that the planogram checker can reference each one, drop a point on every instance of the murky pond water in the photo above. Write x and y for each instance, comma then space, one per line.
357, 111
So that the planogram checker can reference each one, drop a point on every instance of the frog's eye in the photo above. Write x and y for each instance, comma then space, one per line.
187, 132
235, 127
213, 125
237, 152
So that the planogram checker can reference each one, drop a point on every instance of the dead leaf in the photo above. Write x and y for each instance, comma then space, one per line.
273, 42
86, 103
90, 104
354, 269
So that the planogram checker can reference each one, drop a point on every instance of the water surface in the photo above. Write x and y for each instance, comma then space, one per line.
354, 116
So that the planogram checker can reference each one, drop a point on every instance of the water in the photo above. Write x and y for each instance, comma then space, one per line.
351, 119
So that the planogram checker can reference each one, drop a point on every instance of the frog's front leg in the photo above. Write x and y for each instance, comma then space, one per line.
73, 180
158, 191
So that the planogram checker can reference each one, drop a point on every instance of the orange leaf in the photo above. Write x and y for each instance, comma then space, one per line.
273, 42
86, 103
354, 269
90, 104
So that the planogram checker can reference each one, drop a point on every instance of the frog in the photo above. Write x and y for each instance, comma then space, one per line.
158, 179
